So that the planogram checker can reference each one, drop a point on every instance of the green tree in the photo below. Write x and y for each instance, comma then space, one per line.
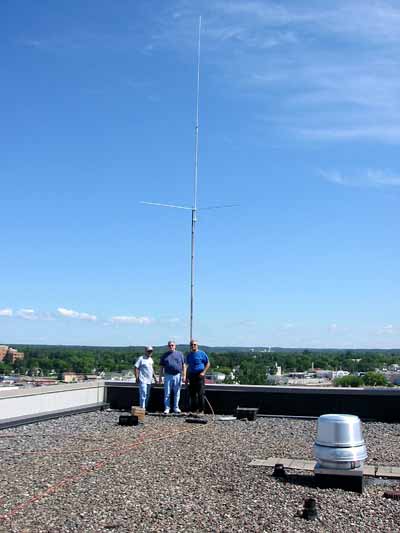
348, 381
375, 379
5, 368
252, 372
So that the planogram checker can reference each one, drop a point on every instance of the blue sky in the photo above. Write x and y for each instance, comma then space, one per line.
299, 125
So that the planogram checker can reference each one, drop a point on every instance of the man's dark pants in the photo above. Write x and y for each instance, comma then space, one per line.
196, 392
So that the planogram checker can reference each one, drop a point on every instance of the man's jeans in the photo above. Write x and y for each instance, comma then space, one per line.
144, 394
172, 382
196, 392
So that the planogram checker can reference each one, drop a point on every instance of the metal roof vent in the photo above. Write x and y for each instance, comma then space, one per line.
340, 451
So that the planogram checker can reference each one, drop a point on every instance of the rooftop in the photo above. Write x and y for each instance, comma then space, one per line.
86, 473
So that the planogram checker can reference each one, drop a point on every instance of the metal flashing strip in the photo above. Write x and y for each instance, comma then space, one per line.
5, 393
276, 389
31, 419
307, 465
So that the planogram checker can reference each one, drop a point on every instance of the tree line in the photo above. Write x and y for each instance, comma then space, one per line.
249, 367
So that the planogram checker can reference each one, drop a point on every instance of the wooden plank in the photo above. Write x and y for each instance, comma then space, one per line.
299, 464
369, 470
303, 464
296, 464
271, 461
395, 471
388, 471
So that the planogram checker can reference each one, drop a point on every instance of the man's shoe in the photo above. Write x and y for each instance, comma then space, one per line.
177, 411
166, 412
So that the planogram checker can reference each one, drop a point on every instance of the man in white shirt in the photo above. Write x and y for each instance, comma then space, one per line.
144, 376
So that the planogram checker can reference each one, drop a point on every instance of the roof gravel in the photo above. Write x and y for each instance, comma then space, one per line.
84, 473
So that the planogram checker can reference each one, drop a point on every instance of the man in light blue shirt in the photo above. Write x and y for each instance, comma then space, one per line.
144, 376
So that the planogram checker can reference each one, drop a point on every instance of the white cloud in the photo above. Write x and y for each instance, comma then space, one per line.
172, 321
33, 43
47, 316
368, 178
368, 19
141, 320
27, 314
6, 312
86, 316
247, 323
371, 20
244, 323
389, 329
69, 313
332, 68
343, 53
387, 134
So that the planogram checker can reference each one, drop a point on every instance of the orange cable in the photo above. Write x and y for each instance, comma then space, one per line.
83, 471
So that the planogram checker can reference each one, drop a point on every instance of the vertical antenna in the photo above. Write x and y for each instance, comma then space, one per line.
194, 208
196, 130
196, 168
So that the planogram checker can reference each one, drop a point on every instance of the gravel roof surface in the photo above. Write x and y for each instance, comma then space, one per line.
85, 473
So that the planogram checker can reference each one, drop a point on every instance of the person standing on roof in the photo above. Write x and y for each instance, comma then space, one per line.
144, 374
172, 366
197, 364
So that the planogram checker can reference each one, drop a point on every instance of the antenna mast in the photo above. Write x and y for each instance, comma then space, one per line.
196, 168
194, 207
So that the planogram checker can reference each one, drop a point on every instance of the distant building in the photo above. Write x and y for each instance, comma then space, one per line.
38, 382
340, 374
330, 374
73, 377
215, 377
3, 352
14, 355
8, 379
393, 377
70, 377
10, 355
275, 379
321, 373
297, 375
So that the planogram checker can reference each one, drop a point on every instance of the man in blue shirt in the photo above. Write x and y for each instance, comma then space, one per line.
197, 364
172, 365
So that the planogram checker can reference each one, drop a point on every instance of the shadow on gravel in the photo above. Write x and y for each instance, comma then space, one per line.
309, 480
303, 480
